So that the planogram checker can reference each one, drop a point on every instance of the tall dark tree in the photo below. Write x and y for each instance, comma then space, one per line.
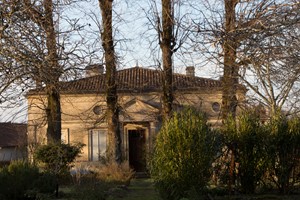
230, 75
44, 19
231, 69
245, 38
167, 44
245, 35
36, 53
39, 20
114, 135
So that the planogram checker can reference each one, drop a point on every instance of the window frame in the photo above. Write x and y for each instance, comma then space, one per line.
65, 138
95, 144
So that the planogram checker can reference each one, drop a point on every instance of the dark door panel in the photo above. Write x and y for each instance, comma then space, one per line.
137, 140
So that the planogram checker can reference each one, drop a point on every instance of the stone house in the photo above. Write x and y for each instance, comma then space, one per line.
13, 142
140, 101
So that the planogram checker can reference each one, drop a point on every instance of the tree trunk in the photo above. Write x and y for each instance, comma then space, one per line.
231, 69
114, 152
167, 45
53, 114
54, 72
51, 69
230, 77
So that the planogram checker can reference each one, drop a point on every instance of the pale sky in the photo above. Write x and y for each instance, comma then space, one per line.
136, 43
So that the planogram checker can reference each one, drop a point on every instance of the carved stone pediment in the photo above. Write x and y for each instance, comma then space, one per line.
138, 110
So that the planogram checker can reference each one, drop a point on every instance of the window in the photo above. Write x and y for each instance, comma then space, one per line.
97, 144
65, 135
97, 110
216, 107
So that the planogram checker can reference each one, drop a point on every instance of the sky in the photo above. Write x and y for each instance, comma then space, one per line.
136, 41
136, 38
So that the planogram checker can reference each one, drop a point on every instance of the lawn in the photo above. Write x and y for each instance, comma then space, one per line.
138, 189
144, 189
141, 188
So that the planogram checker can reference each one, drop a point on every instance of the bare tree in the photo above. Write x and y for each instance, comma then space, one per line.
53, 69
114, 135
8, 75
33, 55
231, 69
237, 35
167, 44
170, 35
249, 35
273, 60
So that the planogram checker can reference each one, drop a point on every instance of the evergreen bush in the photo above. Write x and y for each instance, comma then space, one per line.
57, 159
248, 138
22, 180
284, 152
184, 151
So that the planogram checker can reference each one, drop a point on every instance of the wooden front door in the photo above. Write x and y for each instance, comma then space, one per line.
137, 148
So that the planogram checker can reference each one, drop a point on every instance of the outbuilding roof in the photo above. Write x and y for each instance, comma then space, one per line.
13, 134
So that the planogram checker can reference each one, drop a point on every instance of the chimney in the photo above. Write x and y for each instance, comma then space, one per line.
190, 71
94, 70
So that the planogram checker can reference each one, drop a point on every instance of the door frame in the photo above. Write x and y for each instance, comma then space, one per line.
134, 126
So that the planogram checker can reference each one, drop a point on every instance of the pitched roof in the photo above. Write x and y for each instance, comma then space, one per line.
13, 134
138, 79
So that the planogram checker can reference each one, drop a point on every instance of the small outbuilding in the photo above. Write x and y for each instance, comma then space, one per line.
13, 142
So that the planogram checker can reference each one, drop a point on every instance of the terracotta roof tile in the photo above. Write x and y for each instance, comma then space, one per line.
138, 79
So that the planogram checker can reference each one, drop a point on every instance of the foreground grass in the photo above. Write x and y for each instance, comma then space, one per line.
258, 197
143, 189
138, 189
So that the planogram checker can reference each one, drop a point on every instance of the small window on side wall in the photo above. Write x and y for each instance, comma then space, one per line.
216, 107
97, 110
65, 136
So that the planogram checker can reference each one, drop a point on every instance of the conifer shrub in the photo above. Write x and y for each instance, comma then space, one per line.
284, 152
184, 151
248, 139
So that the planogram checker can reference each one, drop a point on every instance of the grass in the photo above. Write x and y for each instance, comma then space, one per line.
138, 189
259, 197
144, 189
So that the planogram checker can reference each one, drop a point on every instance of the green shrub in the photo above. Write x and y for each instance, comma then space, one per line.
16, 179
284, 152
184, 151
46, 183
249, 139
21, 180
57, 157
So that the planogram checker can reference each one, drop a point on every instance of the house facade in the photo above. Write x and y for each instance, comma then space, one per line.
83, 105
13, 142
